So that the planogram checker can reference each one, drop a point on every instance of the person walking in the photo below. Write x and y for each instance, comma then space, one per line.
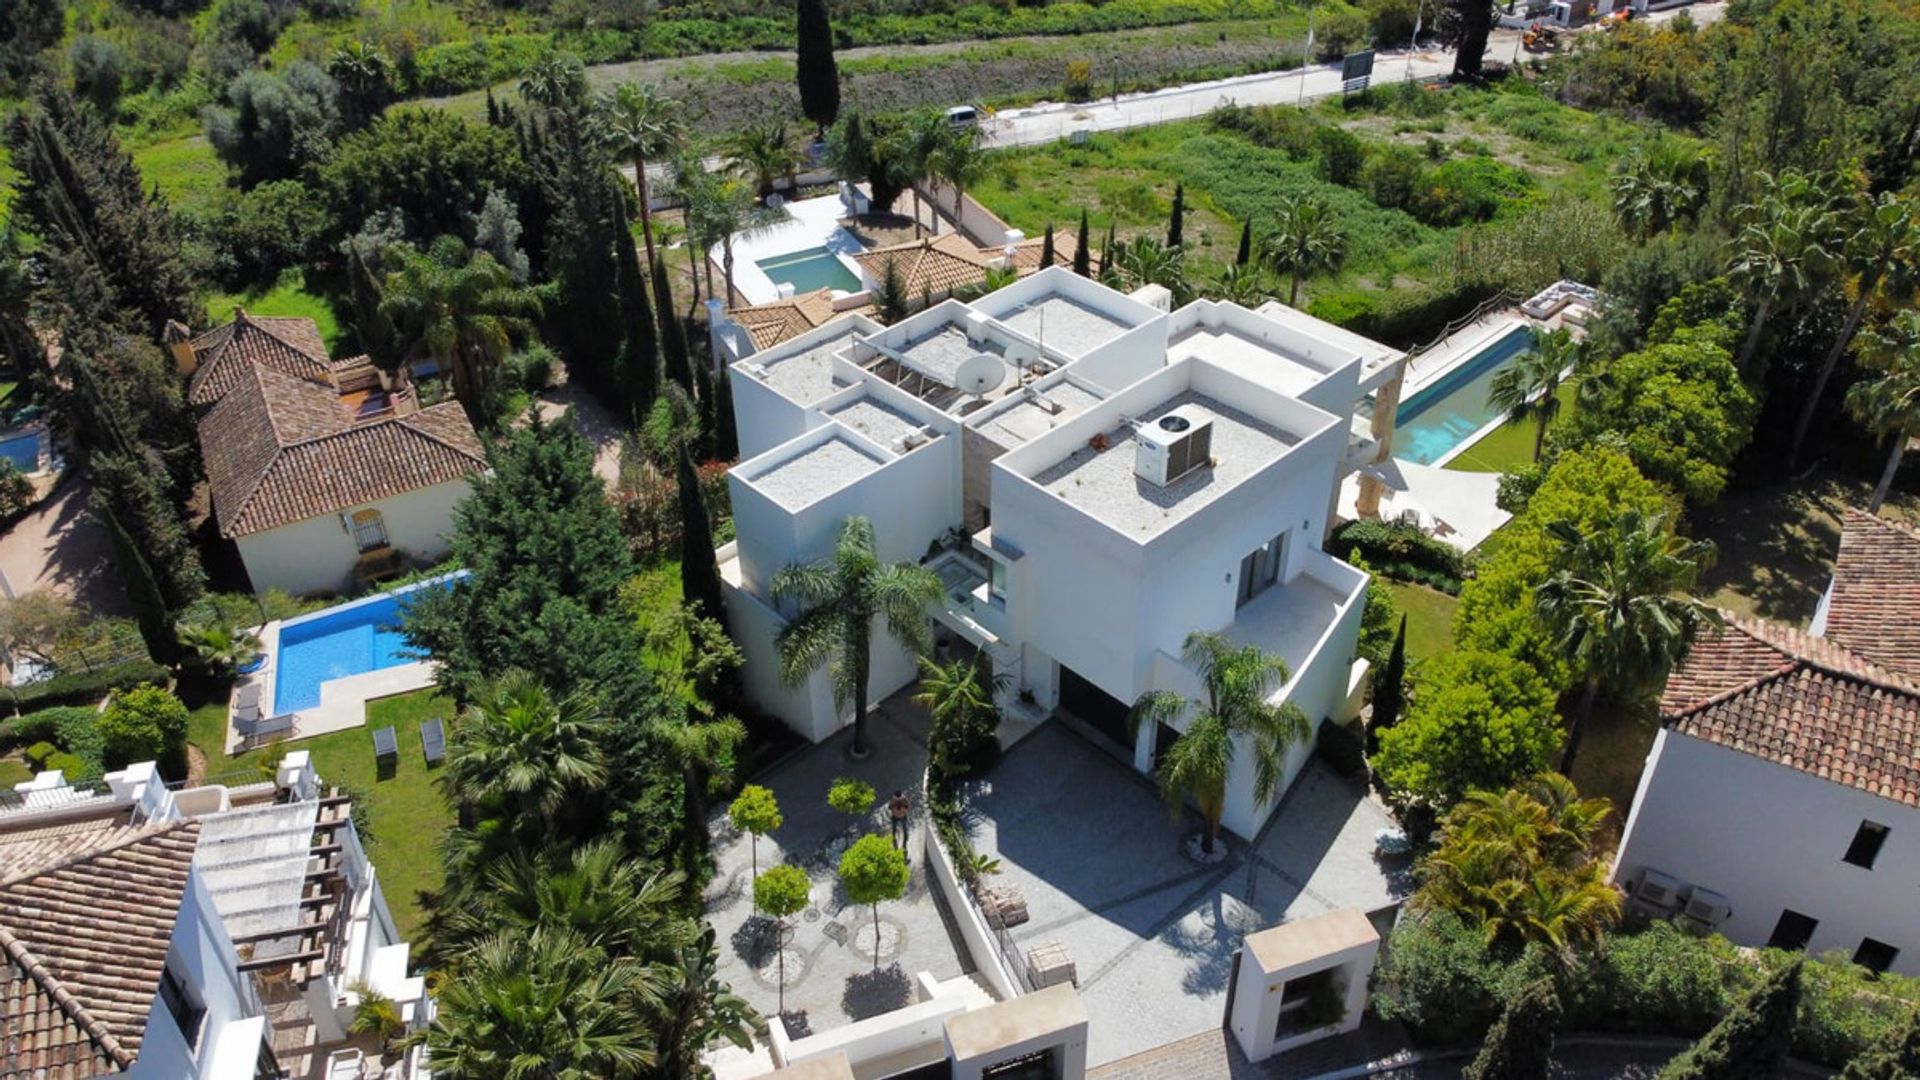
899, 808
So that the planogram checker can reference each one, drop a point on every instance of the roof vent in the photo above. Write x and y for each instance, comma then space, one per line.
1173, 446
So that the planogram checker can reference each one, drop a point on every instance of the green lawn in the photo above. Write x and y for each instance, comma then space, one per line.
186, 171
1429, 618
406, 813
289, 296
13, 772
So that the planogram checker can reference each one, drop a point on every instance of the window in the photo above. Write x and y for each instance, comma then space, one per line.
996, 583
1875, 956
183, 1005
1866, 844
1260, 569
1793, 931
369, 530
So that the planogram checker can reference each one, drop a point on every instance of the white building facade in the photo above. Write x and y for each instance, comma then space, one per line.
1092, 477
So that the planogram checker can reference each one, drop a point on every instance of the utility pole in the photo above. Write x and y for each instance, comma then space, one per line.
1113, 60
1306, 58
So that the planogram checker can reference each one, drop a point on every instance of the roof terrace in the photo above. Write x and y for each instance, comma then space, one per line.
878, 421
805, 375
1103, 482
1066, 314
924, 356
1065, 324
1034, 412
816, 472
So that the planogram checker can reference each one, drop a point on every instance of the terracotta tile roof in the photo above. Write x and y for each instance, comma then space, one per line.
279, 449
782, 320
291, 346
85, 938
937, 264
1803, 702
1875, 608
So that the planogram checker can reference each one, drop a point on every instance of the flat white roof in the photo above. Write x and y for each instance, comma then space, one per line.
1026, 419
1065, 324
1368, 350
1251, 359
814, 473
1103, 483
880, 422
806, 376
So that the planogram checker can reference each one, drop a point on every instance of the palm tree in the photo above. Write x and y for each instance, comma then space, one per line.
720, 212
912, 151
558, 82
961, 700
762, 153
1888, 404
544, 1004
702, 751
1245, 284
1143, 260
1655, 192
840, 597
1521, 865
460, 310
1238, 681
365, 77
1781, 251
604, 899
959, 159
218, 647
1882, 243
1306, 240
522, 755
1531, 387
1615, 603
699, 1010
639, 124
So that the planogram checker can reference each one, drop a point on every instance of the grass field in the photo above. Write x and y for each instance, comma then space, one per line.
289, 296
406, 813
1429, 618
185, 170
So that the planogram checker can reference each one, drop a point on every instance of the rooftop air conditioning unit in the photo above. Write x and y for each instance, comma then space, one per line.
1172, 446
1658, 889
1706, 907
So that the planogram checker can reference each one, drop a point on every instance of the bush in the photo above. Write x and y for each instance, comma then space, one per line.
1401, 552
16, 492
1290, 131
142, 724
1347, 309
1437, 977
38, 754
1341, 154
1479, 721
1466, 189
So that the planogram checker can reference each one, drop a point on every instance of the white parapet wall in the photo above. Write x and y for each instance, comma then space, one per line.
987, 961
905, 1038
1045, 1030
1291, 971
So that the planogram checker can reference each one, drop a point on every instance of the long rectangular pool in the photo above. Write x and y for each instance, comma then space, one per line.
1439, 418
351, 639
806, 271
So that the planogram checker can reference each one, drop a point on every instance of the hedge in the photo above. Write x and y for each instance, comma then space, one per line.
1401, 552
87, 687
50, 732
1438, 979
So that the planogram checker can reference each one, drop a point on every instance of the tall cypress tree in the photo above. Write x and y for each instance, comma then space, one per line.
639, 367
1245, 254
1106, 253
1519, 1046
1046, 248
1083, 250
1751, 1039
1176, 224
143, 592
674, 355
699, 567
1389, 689
818, 75
129, 486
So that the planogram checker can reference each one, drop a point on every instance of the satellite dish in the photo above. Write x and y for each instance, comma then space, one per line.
980, 373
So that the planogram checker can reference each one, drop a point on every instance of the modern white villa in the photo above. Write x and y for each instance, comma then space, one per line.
1093, 476
1781, 804
214, 933
325, 473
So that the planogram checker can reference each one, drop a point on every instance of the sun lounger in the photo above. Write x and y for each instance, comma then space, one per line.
433, 740
247, 697
386, 744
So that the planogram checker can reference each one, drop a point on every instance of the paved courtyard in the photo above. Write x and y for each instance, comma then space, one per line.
1091, 845
831, 976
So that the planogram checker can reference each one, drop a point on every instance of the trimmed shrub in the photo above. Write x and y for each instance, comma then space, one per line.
142, 724
87, 687
1520, 1045
1400, 552
1749, 1041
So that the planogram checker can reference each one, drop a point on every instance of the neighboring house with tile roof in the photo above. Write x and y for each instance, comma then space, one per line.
322, 472
1780, 804
213, 933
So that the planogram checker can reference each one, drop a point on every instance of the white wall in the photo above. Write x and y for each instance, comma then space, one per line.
319, 554
763, 418
1770, 838
207, 963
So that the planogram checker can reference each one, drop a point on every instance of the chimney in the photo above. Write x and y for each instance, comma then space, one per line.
179, 342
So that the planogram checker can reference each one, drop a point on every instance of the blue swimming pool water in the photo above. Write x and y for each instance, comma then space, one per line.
1440, 417
806, 271
351, 639
23, 450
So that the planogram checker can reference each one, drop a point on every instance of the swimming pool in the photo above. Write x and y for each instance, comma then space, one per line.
1439, 418
22, 448
806, 271
351, 639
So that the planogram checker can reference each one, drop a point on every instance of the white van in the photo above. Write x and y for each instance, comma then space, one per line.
963, 116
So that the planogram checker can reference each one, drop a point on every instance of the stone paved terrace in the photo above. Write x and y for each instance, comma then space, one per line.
1091, 845
831, 976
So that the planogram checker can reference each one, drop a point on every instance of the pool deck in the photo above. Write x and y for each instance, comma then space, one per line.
810, 223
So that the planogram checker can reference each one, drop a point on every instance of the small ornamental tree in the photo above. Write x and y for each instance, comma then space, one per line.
755, 812
781, 892
851, 797
1520, 1045
1751, 1039
1046, 247
874, 870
